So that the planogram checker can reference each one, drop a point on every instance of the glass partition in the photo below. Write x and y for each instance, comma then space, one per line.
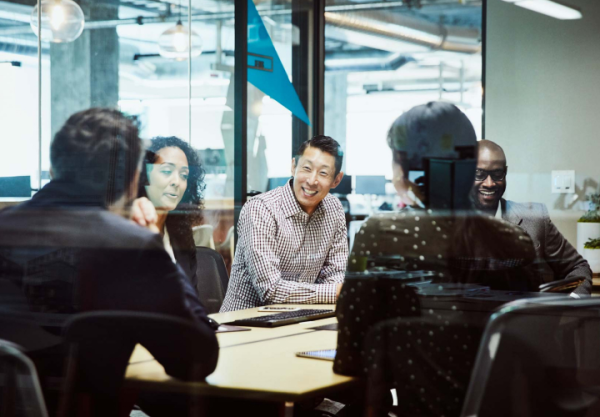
383, 58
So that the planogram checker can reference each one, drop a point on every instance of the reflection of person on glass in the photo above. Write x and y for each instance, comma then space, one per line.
556, 258
443, 236
427, 355
172, 179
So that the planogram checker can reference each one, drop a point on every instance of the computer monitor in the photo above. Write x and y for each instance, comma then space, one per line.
213, 160
15, 186
370, 184
277, 182
344, 187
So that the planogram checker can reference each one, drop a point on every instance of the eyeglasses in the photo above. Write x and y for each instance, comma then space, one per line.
497, 174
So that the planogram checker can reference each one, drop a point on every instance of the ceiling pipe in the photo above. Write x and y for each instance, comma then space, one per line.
364, 65
408, 29
388, 25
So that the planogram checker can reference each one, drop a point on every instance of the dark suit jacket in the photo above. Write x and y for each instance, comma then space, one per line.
63, 253
556, 258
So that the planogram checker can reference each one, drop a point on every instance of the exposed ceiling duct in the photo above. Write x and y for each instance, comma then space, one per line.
405, 29
392, 63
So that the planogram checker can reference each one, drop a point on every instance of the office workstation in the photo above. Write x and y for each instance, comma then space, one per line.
308, 208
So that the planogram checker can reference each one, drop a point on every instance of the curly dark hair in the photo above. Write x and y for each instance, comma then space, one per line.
188, 212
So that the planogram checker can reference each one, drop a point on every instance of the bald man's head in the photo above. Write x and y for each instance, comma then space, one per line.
489, 150
490, 176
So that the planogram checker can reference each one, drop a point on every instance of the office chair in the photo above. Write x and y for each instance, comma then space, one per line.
538, 357
20, 390
100, 345
426, 359
203, 236
212, 278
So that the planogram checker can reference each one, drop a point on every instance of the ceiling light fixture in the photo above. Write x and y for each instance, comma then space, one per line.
549, 8
62, 20
174, 43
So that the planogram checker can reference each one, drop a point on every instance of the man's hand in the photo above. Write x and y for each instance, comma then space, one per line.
144, 214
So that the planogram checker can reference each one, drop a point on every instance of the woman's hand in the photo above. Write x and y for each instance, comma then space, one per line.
144, 214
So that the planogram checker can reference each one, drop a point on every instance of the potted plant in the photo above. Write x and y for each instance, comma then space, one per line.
591, 252
588, 226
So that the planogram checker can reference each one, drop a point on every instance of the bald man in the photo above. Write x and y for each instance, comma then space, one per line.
556, 259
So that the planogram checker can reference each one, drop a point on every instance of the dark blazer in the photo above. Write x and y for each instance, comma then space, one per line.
63, 253
556, 258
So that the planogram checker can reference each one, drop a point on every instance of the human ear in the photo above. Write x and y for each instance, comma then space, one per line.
337, 179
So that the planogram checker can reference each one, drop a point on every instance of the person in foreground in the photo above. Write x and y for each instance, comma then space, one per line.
292, 240
71, 249
172, 178
422, 340
556, 258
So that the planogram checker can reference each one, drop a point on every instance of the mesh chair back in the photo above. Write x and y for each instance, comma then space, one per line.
101, 343
20, 391
212, 278
538, 357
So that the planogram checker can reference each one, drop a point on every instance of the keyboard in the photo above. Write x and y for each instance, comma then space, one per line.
282, 319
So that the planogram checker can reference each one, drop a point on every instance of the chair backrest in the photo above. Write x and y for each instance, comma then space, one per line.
212, 278
15, 186
101, 343
538, 357
20, 390
203, 236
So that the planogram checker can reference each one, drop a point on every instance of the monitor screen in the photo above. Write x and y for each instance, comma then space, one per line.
277, 182
370, 184
15, 186
344, 187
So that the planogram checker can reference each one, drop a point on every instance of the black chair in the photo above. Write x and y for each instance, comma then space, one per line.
20, 390
538, 357
101, 343
212, 278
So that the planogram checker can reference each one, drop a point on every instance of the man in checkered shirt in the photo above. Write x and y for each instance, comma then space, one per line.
293, 244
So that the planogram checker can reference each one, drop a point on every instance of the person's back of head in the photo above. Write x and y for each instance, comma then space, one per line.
98, 149
436, 130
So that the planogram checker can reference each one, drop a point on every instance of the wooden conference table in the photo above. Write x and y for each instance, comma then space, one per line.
259, 364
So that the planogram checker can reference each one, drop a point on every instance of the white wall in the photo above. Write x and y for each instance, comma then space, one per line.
542, 103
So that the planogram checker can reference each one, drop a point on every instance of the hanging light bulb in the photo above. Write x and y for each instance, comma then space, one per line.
62, 20
174, 43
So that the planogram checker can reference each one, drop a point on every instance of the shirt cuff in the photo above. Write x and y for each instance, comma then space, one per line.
326, 293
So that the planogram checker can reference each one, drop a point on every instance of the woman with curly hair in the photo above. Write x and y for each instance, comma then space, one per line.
172, 178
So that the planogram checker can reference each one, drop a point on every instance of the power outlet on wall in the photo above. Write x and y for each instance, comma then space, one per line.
563, 182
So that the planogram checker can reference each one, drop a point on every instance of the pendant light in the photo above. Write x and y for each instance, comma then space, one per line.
62, 20
174, 43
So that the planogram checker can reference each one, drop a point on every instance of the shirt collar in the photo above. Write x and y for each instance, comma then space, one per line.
290, 205
499, 211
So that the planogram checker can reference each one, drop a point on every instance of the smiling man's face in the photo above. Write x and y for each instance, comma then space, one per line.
489, 188
314, 175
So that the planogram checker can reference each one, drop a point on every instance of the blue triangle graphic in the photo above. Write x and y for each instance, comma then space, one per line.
265, 70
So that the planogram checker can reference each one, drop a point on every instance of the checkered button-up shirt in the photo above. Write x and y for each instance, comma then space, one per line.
286, 256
